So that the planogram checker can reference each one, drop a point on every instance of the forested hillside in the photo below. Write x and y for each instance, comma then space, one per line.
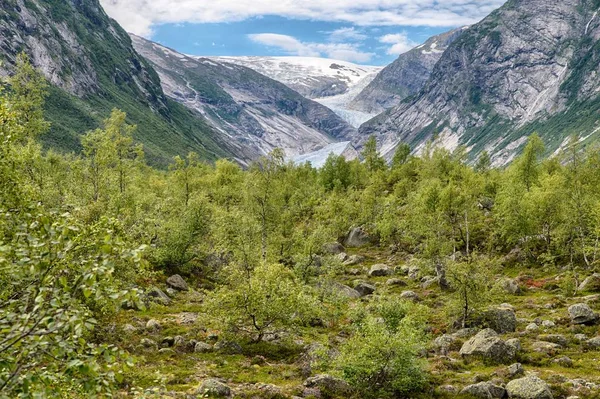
426, 277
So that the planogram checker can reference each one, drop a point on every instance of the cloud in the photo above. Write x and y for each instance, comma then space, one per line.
292, 46
139, 16
399, 41
346, 35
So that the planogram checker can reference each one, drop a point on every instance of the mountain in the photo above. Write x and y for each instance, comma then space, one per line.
255, 113
403, 77
90, 62
530, 66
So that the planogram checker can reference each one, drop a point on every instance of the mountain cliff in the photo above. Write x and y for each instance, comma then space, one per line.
254, 112
530, 66
93, 68
405, 76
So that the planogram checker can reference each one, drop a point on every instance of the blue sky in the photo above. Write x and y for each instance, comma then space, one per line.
371, 32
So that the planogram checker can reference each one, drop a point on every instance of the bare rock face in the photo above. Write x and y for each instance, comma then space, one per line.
405, 76
528, 63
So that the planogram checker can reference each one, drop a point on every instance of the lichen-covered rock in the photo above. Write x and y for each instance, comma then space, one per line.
354, 260
591, 284
409, 295
502, 320
380, 270
484, 390
528, 388
357, 238
177, 282
515, 370
215, 388
202, 347
329, 386
396, 282
581, 313
333, 248
153, 325
488, 347
558, 339
364, 289
157, 295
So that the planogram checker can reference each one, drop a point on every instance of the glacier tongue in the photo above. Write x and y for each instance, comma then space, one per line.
318, 158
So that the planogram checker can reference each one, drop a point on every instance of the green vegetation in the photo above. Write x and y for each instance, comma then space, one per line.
86, 240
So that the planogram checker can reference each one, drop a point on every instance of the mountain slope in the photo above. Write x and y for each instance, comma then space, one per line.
529, 66
256, 113
309, 76
405, 76
93, 68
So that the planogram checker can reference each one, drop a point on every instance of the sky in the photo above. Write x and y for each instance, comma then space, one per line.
369, 32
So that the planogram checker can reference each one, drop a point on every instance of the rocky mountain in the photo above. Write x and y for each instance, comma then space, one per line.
93, 68
405, 76
255, 113
530, 66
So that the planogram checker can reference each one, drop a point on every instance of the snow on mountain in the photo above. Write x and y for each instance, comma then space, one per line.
318, 158
310, 76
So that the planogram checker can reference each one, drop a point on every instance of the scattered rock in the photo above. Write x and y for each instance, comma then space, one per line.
202, 347
580, 337
510, 286
548, 324
484, 390
515, 343
409, 295
593, 343
449, 389
333, 248
327, 385
591, 284
128, 328
532, 327
177, 282
158, 296
167, 342
148, 343
166, 351
555, 339
444, 344
581, 313
545, 347
564, 361
228, 347
345, 291
466, 332
413, 272
364, 289
152, 325
354, 260
502, 320
342, 257
357, 238
396, 282
488, 347
212, 387
430, 282
380, 270
515, 370
178, 341
528, 388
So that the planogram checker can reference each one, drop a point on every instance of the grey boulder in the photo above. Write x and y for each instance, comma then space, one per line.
528, 388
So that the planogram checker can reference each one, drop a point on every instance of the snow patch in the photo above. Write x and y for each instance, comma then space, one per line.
318, 158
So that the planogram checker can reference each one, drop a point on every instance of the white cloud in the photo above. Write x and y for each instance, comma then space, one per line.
292, 46
347, 34
139, 16
399, 41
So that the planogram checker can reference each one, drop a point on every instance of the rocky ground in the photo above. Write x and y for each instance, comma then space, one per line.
538, 343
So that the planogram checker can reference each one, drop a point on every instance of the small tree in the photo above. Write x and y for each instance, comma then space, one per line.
471, 283
260, 302
373, 161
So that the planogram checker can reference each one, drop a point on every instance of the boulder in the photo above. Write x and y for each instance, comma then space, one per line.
591, 284
528, 388
548, 324
515, 343
430, 282
345, 291
444, 344
484, 390
167, 342
329, 386
202, 347
357, 238
333, 248
564, 361
515, 370
152, 325
409, 295
396, 282
502, 320
581, 313
488, 347
214, 388
354, 260
148, 343
342, 257
510, 286
593, 343
229, 347
545, 347
532, 327
158, 296
380, 270
364, 289
177, 282
554, 338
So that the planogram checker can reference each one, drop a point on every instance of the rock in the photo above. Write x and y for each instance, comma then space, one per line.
532, 327
228, 347
564, 361
152, 325
593, 343
528, 388
380, 270
484, 390
510, 286
333, 248
581, 313
515, 370
158, 296
148, 343
402, 270
515, 343
329, 386
487, 346
444, 344
548, 324
449, 389
177, 282
409, 295
396, 282
167, 342
430, 282
364, 289
178, 341
354, 272
129, 329
591, 284
167, 351
545, 347
414, 272
342, 257
212, 387
354, 260
554, 338
357, 238
580, 337
466, 332
345, 291
502, 320
202, 347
